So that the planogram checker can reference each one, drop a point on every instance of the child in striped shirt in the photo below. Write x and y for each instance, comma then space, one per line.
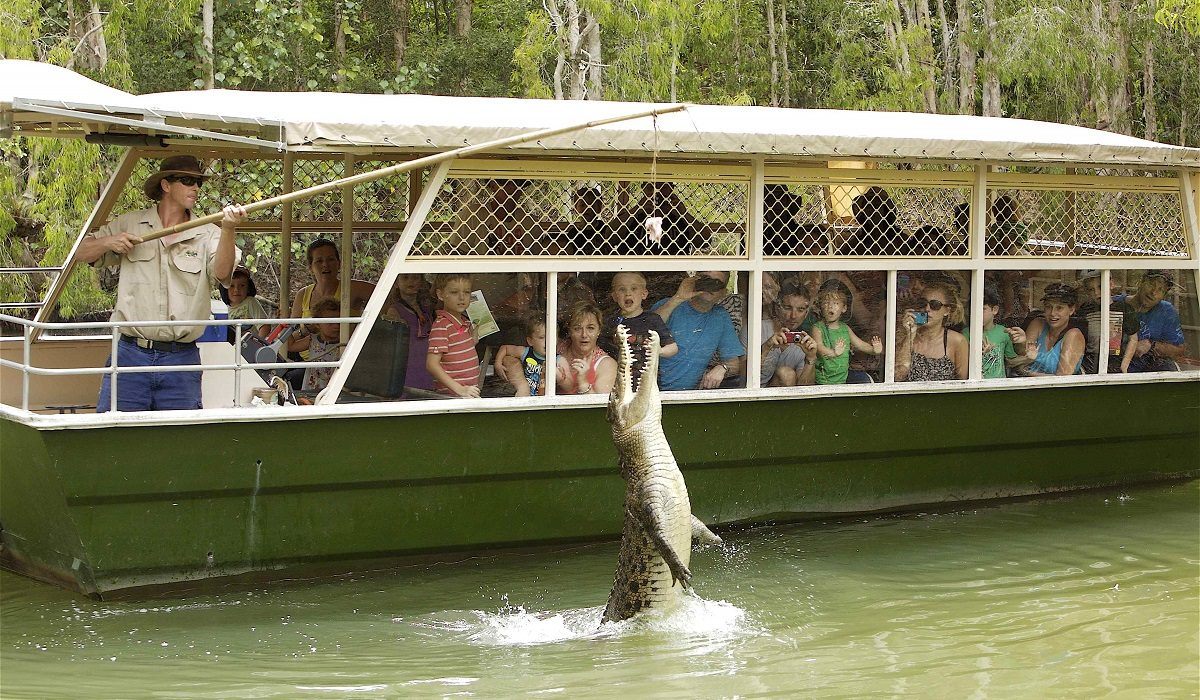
452, 359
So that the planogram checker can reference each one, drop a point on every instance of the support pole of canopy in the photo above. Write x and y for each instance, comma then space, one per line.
285, 237
550, 371
414, 191
347, 247
373, 175
978, 229
1189, 184
754, 324
387, 279
1102, 342
104, 205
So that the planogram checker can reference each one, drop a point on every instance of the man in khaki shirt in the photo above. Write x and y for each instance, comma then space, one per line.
168, 279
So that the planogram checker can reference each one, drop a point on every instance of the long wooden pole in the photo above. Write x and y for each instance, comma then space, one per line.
372, 175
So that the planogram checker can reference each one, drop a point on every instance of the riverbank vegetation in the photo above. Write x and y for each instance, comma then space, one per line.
1121, 65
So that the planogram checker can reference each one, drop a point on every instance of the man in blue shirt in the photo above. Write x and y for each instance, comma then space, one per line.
700, 328
1160, 335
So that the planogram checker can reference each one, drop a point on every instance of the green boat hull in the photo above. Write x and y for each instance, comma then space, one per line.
101, 510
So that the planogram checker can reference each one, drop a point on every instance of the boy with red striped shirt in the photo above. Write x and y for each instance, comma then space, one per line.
452, 359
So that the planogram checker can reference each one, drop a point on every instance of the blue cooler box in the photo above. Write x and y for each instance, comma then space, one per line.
216, 334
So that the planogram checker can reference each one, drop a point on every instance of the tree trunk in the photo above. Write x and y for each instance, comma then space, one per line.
1119, 101
1149, 109
462, 18
577, 66
991, 82
786, 74
928, 71
772, 50
892, 27
573, 35
207, 60
592, 48
339, 40
966, 60
91, 48
1099, 89
403, 12
947, 56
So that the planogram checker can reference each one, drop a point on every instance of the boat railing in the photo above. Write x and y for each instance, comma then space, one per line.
114, 370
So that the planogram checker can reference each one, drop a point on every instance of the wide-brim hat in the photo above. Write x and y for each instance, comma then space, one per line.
175, 165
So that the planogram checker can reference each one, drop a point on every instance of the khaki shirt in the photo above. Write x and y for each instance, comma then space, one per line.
160, 282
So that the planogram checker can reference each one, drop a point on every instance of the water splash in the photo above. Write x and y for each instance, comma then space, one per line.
694, 619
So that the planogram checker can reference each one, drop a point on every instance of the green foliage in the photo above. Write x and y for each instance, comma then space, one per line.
1179, 14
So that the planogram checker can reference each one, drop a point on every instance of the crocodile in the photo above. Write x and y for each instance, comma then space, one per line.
652, 568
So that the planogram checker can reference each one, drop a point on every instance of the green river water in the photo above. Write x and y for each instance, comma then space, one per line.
1089, 595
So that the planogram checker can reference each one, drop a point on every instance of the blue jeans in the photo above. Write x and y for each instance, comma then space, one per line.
152, 391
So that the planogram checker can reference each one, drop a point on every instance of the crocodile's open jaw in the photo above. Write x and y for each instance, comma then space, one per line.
627, 408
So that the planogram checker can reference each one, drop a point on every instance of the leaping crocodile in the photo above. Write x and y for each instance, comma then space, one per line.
652, 569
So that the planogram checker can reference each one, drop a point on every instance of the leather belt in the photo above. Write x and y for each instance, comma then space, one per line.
159, 345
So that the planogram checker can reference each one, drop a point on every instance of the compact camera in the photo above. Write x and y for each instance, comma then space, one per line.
792, 336
921, 317
709, 284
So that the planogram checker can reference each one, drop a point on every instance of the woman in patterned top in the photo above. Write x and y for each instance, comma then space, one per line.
928, 351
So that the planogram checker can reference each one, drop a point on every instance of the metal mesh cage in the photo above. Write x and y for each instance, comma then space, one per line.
322, 207
384, 200
1056, 222
231, 181
859, 220
551, 217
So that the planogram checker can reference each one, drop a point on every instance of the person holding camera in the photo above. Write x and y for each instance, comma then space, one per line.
700, 328
788, 356
927, 350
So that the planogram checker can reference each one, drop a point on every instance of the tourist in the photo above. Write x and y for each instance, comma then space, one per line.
1059, 347
170, 278
1006, 235
523, 366
834, 338
325, 263
927, 350
788, 353
451, 358
1159, 336
589, 233
678, 232
326, 346
629, 293
878, 232
1002, 347
242, 299
412, 302
700, 327
582, 367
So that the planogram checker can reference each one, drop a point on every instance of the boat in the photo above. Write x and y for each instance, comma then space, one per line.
114, 504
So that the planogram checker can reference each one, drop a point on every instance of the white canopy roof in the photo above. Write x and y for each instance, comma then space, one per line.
433, 123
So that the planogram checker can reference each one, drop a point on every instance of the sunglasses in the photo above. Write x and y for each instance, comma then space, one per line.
187, 180
933, 304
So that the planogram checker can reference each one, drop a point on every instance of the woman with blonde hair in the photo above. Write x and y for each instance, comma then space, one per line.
928, 351
582, 367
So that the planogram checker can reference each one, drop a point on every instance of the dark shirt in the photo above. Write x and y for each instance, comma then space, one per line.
639, 328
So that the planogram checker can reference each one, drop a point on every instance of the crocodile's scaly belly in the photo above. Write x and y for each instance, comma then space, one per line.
643, 579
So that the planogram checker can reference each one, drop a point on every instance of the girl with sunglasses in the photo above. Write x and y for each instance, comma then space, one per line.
928, 351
